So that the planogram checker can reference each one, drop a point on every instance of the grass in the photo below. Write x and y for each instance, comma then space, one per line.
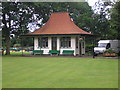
59, 72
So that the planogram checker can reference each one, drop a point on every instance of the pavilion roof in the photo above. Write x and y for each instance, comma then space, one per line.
59, 23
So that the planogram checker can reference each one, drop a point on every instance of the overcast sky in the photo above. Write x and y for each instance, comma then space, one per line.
91, 2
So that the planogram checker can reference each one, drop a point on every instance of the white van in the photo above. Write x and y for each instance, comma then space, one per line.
107, 44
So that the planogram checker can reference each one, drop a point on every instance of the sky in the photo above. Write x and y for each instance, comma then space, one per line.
91, 2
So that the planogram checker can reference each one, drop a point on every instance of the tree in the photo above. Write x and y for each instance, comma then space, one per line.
15, 20
101, 19
115, 21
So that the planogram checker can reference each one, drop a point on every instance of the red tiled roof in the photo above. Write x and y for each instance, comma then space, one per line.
59, 23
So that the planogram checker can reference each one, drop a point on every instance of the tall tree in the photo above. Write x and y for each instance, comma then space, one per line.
115, 21
15, 20
102, 17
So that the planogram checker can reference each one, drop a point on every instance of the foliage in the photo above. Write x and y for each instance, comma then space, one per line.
17, 45
18, 17
115, 21
101, 17
15, 20
90, 45
109, 51
89, 49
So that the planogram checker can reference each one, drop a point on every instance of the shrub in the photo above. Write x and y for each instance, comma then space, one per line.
17, 45
109, 51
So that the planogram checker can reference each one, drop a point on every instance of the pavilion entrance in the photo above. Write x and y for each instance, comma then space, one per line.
54, 43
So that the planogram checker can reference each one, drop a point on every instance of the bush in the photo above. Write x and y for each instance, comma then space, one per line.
90, 46
109, 51
17, 45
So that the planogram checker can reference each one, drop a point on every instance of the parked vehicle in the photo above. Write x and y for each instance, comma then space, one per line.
103, 45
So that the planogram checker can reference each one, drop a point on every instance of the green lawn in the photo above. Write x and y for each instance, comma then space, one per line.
59, 72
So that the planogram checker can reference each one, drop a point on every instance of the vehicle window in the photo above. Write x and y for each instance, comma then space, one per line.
102, 44
108, 46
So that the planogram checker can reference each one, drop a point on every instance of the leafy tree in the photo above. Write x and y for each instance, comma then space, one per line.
101, 19
15, 20
115, 21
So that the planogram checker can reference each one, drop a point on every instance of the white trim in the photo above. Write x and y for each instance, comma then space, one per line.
73, 45
35, 43
58, 43
50, 43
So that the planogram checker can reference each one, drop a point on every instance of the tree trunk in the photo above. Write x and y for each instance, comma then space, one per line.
7, 38
6, 31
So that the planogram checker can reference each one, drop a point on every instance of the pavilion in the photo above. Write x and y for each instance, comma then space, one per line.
59, 34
